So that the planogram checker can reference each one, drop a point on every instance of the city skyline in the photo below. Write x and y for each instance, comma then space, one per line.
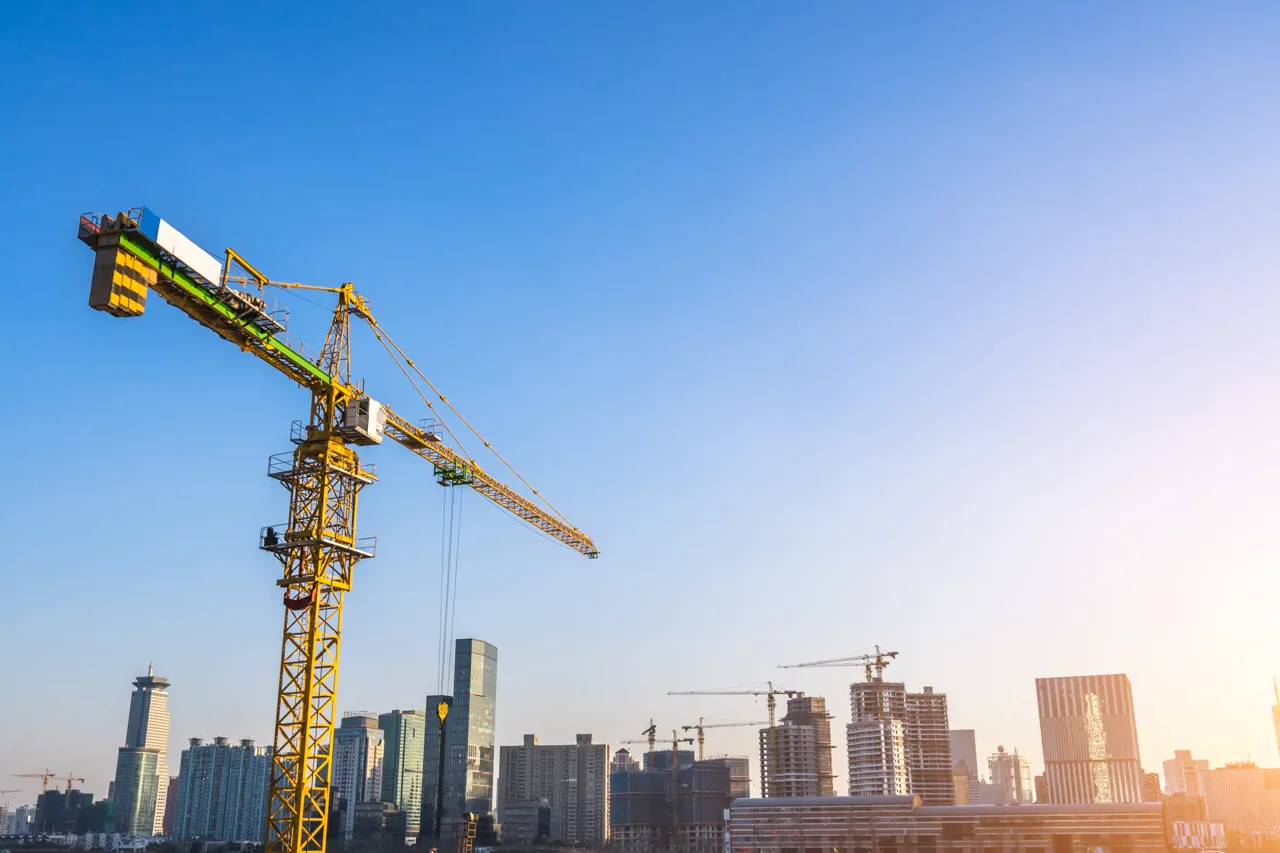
1004, 283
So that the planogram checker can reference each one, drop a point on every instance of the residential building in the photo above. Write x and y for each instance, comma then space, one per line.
60, 812
795, 757
929, 747
403, 738
964, 750
905, 825
1151, 788
142, 771
1184, 774
358, 754
23, 821
572, 778
470, 755
899, 742
222, 791
877, 757
640, 812
739, 773
1243, 797
525, 821
811, 711
1090, 739
1011, 776
623, 762
169, 803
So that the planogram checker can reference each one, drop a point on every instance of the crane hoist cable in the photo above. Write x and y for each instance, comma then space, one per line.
379, 331
450, 546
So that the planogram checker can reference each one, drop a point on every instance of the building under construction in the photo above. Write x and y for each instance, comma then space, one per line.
642, 816
795, 757
899, 743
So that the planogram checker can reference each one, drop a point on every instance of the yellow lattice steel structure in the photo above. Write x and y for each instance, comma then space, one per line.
320, 545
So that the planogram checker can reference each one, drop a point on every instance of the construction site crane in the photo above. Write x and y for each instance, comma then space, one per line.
699, 726
318, 547
652, 734
771, 692
71, 780
676, 740
43, 777
876, 662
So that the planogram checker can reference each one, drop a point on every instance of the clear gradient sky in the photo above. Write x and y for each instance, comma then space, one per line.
951, 327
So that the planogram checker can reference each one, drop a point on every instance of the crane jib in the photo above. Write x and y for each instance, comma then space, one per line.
180, 279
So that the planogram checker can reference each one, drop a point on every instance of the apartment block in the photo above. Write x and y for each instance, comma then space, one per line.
572, 778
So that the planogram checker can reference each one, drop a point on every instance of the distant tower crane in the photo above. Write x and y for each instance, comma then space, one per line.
652, 734
71, 780
876, 662
771, 693
318, 547
43, 777
676, 740
699, 726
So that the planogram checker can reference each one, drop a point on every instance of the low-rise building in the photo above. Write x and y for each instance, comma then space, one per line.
905, 825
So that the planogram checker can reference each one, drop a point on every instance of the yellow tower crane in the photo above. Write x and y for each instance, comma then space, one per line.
136, 252
699, 726
872, 662
43, 777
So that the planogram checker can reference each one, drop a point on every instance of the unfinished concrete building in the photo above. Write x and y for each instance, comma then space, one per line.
795, 757
899, 743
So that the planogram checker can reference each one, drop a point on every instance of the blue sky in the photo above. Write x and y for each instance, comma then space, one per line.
947, 328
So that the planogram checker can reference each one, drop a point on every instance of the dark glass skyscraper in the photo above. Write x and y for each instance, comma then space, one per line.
469, 743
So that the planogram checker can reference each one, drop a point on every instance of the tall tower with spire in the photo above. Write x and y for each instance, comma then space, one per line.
1275, 709
142, 772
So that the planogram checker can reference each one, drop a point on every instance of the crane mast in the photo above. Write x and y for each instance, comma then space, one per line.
319, 546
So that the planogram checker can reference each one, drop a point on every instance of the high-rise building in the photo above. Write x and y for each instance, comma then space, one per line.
739, 773
403, 738
358, 746
1243, 797
222, 791
929, 747
142, 772
795, 757
1090, 739
1011, 777
470, 756
572, 778
877, 739
899, 743
1184, 774
964, 750
640, 811
1042, 789
170, 802
22, 821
